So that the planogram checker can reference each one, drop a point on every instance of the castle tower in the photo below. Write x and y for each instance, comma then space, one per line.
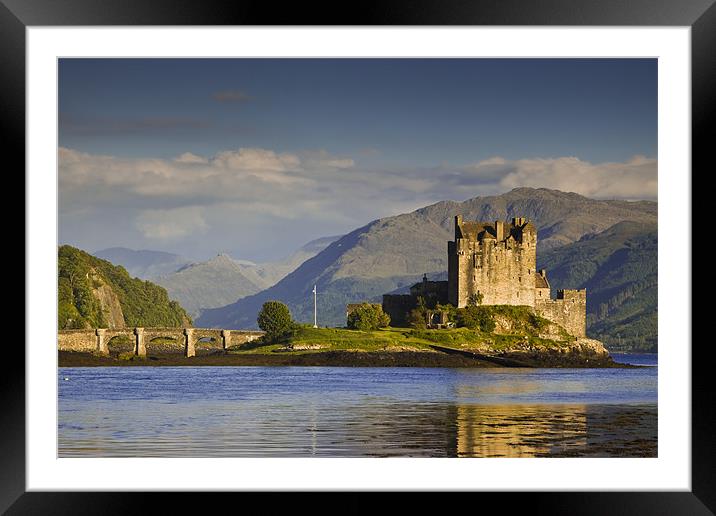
494, 260
568, 309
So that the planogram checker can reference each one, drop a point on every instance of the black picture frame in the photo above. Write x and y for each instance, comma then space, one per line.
699, 15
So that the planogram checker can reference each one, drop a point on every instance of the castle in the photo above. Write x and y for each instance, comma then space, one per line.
493, 264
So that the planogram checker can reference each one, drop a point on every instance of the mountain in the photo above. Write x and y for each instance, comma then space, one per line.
223, 280
209, 284
94, 293
618, 267
394, 252
561, 217
267, 274
143, 264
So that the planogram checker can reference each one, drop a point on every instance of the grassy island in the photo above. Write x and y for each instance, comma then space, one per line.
517, 339
313, 340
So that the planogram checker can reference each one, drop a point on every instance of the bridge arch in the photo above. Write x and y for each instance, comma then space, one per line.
115, 341
160, 344
118, 344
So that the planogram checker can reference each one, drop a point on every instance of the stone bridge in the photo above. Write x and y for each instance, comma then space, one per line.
97, 340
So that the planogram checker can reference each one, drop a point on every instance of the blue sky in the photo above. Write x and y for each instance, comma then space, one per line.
173, 149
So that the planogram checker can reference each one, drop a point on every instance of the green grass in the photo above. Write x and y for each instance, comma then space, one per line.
316, 340
357, 340
339, 339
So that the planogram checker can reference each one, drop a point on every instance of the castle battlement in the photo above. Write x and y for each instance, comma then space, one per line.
519, 230
572, 295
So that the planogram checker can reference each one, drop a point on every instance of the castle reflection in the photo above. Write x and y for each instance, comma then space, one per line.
474, 430
521, 431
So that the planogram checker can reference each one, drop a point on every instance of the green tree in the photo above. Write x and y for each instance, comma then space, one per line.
368, 317
275, 319
416, 318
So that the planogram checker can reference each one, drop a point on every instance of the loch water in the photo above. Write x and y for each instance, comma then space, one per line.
358, 412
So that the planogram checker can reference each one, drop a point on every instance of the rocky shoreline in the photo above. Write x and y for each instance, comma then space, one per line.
343, 359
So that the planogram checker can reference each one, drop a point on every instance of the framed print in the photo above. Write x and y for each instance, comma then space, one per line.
494, 202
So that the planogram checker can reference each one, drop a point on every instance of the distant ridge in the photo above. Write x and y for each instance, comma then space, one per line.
208, 284
223, 279
144, 264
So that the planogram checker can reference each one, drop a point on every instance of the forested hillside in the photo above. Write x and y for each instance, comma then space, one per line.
94, 293
619, 269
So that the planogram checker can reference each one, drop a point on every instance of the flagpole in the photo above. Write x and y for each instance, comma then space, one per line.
315, 320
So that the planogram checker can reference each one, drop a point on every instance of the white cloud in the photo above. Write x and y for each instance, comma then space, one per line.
172, 224
636, 178
244, 173
633, 179
252, 197
256, 160
188, 157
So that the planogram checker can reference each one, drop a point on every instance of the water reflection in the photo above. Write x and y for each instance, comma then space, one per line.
366, 430
304, 412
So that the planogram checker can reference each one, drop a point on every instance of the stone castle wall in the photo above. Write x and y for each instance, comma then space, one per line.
397, 306
499, 261
569, 310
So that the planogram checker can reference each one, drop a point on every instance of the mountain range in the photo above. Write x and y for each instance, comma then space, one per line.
216, 282
581, 241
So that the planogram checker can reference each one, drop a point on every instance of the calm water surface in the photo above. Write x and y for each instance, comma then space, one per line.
358, 412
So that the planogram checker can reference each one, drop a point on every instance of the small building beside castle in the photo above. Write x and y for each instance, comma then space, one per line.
398, 306
494, 263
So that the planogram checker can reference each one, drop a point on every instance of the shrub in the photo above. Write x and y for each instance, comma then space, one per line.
475, 318
275, 319
449, 309
368, 317
537, 322
416, 318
